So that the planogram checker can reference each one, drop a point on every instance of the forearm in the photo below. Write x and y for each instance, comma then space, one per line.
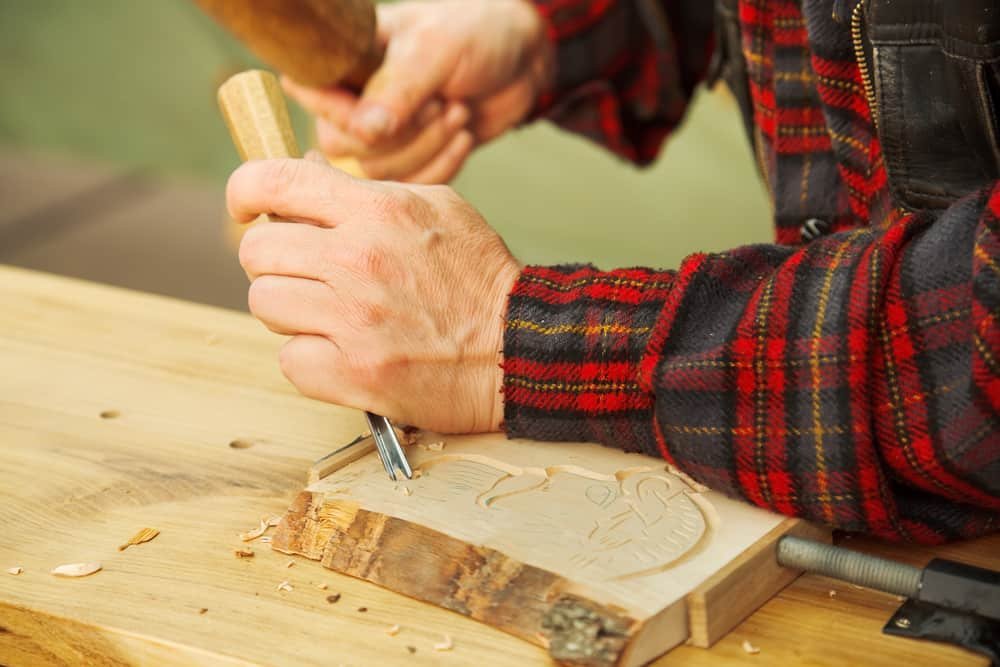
624, 70
852, 382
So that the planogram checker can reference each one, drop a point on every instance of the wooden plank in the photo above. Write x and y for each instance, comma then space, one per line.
742, 586
186, 380
529, 536
804, 625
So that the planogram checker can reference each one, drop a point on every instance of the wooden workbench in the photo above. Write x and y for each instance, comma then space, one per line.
177, 384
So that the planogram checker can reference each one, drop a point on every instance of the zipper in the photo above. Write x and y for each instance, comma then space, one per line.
857, 28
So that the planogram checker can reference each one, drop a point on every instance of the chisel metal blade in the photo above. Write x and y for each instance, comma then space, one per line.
389, 448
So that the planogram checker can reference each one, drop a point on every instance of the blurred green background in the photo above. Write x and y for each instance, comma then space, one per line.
127, 86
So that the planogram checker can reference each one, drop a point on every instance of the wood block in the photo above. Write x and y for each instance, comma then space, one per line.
603, 557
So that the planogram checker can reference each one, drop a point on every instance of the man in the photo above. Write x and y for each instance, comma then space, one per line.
849, 373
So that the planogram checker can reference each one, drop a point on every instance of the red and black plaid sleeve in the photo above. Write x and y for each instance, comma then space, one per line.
854, 381
625, 69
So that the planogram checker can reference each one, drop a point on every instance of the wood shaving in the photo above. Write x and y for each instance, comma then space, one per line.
76, 569
445, 645
832, 594
251, 535
417, 474
333, 598
543, 640
203, 610
322, 586
265, 523
15, 570
392, 630
144, 535
750, 648
435, 446
290, 563
243, 553
405, 490
285, 586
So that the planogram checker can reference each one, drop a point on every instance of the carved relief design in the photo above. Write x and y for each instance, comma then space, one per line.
635, 522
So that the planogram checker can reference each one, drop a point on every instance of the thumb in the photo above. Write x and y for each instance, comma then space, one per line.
411, 74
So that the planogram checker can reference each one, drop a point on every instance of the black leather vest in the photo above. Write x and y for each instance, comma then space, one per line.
932, 78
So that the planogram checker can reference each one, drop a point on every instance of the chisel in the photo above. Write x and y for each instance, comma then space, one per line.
316, 42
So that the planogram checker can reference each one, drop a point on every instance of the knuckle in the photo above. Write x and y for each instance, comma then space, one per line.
368, 262
402, 206
447, 200
288, 360
391, 204
279, 175
444, 193
369, 314
252, 248
425, 32
262, 292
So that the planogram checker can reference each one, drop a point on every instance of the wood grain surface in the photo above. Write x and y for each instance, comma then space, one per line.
178, 384
529, 537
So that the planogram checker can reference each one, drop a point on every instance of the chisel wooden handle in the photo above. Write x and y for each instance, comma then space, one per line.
316, 42
254, 109
255, 113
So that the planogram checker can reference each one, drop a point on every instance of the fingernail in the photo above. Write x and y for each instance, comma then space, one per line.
457, 116
375, 121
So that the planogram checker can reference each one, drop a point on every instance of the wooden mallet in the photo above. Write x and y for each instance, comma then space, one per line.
315, 42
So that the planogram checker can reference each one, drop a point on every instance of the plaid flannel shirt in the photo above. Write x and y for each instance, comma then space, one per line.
854, 379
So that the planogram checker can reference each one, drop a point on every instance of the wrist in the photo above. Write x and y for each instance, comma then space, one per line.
540, 53
505, 282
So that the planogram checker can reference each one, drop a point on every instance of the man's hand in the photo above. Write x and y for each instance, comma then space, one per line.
456, 73
394, 295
